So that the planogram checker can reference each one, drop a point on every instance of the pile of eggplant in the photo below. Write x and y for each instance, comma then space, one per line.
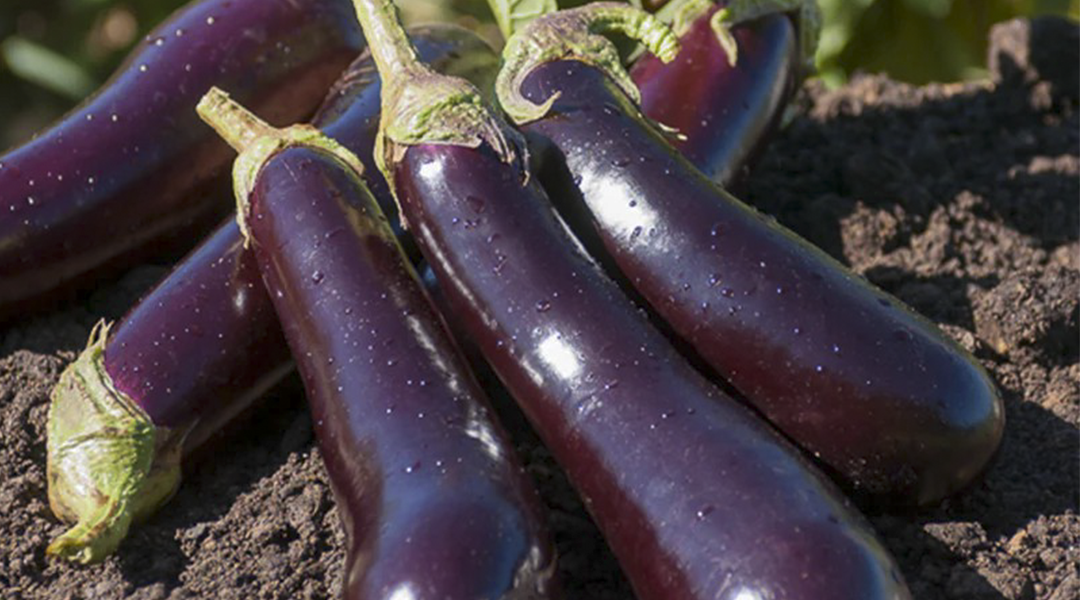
715, 387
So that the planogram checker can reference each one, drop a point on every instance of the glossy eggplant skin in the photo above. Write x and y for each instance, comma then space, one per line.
195, 352
434, 503
897, 412
724, 113
203, 344
186, 360
206, 342
353, 103
131, 171
695, 495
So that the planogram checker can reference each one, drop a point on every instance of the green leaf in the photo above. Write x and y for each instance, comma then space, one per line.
38, 64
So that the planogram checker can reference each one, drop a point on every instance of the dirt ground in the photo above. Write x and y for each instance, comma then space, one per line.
962, 200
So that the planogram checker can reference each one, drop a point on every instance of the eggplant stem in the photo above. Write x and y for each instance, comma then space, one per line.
394, 54
256, 142
574, 34
420, 106
238, 126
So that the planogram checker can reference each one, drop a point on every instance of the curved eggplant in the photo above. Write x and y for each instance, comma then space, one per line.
131, 171
697, 497
198, 349
723, 113
188, 358
433, 500
899, 413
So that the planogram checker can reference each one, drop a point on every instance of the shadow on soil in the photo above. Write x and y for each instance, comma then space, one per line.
211, 486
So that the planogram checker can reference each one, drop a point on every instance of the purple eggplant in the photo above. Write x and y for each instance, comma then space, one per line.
193, 354
433, 500
198, 349
723, 112
898, 412
131, 171
696, 496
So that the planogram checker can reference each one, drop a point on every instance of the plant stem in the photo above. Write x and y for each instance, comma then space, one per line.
255, 142
419, 105
394, 54
238, 126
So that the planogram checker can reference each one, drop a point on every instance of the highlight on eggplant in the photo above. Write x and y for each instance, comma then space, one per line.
200, 347
433, 501
133, 164
697, 497
899, 413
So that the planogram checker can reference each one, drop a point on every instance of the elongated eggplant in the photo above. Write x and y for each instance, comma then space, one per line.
131, 170
189, 357
198, 349
898, 412
723, 111
697, 497
433, 501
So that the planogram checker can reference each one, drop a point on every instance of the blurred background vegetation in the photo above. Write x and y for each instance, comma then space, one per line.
55, 52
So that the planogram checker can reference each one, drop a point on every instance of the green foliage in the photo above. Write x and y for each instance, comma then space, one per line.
55, 52
918, 40
45, 67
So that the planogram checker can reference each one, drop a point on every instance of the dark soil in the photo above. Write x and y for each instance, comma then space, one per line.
962, 200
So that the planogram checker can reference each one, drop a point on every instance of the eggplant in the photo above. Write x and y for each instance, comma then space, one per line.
198, 349
722, 112
695, 495
190, 356
894, 409
131, 172
433, 501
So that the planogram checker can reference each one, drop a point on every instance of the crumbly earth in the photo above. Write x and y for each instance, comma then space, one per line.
962, 200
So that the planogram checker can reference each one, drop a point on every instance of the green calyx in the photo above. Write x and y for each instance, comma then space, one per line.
256, 142
574, 34
431, 108
108, 464
421, 106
